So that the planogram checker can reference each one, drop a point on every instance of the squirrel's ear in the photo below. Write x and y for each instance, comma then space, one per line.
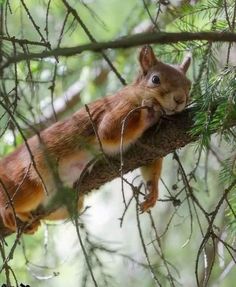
186, 63
147, 58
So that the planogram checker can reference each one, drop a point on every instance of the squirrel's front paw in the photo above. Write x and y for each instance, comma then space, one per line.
151, 104
153, 111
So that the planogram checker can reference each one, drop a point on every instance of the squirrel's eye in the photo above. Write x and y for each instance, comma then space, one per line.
156, 80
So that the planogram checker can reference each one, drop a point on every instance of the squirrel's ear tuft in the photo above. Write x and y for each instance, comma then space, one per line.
147, 58
186, 63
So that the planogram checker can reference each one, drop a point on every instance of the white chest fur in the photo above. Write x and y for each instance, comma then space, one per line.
70, 167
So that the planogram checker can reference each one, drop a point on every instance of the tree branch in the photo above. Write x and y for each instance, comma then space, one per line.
127, 42
162, 139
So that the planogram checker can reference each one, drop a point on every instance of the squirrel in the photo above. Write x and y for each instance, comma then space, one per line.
26, 177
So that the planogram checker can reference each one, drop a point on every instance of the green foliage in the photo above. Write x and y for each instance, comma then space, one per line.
215, 107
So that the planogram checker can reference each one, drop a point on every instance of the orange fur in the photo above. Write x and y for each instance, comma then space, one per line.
64, 148
151, 174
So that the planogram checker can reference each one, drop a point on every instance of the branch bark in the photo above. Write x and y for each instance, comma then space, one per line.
127, 42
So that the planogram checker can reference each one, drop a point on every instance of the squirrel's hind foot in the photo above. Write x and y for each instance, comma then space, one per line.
10, 220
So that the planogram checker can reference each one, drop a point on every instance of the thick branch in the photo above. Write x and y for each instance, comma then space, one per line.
171, 134
127, 42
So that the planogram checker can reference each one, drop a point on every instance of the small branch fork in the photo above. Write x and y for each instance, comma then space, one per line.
210, 233
93, 40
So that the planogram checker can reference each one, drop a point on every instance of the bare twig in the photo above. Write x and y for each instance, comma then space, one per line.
93, 40
155, 278
209, 231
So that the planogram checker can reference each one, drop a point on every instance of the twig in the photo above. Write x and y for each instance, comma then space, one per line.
161, 253
37, 28
13, 39
209, 231
155, 278
123, 123
93, 40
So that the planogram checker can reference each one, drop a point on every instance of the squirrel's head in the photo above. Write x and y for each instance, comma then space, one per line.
167, 84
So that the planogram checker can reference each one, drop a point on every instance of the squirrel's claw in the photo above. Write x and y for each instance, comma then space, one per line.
150, 198
148, 203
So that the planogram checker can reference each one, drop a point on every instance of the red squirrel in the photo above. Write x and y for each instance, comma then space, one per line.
26, 177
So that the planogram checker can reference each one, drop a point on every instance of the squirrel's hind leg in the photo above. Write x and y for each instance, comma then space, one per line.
151, 175
23, 201
9, 218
